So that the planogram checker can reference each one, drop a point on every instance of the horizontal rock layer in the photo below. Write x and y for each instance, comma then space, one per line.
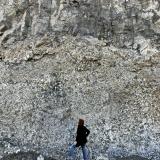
118, 22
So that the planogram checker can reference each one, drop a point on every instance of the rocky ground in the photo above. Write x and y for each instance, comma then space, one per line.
25, 156
65, 60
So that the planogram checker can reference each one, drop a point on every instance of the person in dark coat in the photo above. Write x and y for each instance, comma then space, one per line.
81, 139
82, 134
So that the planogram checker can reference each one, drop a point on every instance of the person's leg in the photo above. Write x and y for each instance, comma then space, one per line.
72, 151
85, 153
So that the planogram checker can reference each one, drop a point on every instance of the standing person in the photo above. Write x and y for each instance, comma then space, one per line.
81, 140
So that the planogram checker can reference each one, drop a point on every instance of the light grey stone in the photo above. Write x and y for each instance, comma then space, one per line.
92, 59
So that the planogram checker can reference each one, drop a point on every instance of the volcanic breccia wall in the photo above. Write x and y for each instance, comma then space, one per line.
61, 60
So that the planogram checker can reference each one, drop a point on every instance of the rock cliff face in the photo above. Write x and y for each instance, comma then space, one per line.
119, 22
61, 60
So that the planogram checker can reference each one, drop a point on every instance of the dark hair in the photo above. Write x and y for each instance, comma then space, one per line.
81, 122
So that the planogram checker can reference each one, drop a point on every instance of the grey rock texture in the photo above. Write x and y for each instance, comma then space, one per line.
25, 156
92, 59
133, 158
119, 22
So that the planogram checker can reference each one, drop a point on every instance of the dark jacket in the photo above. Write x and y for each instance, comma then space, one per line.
82, 133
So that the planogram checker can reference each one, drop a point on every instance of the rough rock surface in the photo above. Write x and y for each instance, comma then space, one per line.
96, 59
25, 156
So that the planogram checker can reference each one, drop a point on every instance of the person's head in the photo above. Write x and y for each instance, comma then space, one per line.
81, 122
